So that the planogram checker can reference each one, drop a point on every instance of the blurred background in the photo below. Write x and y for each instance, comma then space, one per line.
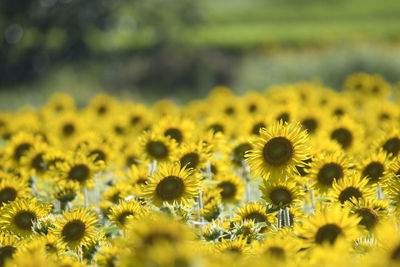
151, 49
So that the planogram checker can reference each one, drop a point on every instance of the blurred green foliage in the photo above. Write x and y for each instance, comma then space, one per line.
159, 48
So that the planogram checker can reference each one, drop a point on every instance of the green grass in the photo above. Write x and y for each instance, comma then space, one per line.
242, 24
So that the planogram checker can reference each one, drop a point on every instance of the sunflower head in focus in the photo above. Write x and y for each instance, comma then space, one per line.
19, 216
77, 228
351, 187
278, 150
172, 183
125, 210
193, 156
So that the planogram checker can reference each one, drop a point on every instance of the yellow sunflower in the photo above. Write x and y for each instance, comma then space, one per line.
231, 186
238, 246
8, 246
350, 187
278, 150
19, 216
329, 224
374, 166
179, 129
12, 188
157, 147
77, 228
254, 211
346, 132
193, 156
124, 211
327, 168
389, 141
281, 194
171, 183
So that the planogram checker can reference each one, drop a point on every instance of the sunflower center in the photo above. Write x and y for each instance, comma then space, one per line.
73, 230
310, 125
284, 117
369, 217
21, 149
392, 146
252, 108
7, 194
38, 163
51, 248
278, 151
280, 196
216, 127
157, 149
174, 133
214, 169
230, 111
396, 254
339, 112
135, 120
99, 155
24, 220
348, 193
68, 129
373, 171
6, 252
343, 137
170, 188
329, 172
257, 217
122, 217
191, 160
228, 189
79, 172
276, 252
152, 238
328, 232
257, 127
239, 152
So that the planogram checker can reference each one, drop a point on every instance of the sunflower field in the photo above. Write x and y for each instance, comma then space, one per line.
300, 175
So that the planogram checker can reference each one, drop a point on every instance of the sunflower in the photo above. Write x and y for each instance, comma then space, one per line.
52, 244
278, 150
281, 194
346, 133
157, 147
231, 186
130, 155
77, 228
79, 168
193, 156
312, 120
389, 141
19, 216
211, 203
8, 246
137, 176
389, 244
254, 211
374, 167
20, 144
327, 168
281, 247
349, 187
236, 247
117, 192
67, 126
251, 126
124, 211
329, 224
254, 103
179, 129
219, 124
65, 191
60, 103
295, 214
238, 152
172, 183
12, 188
373, 212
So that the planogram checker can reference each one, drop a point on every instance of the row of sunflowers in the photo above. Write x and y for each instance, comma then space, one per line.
300, 175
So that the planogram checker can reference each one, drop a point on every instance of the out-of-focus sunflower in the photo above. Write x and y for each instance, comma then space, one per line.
281, 194
77, 228
372, 211
130, 155
117, 192
326, 169
157, 147
19, 216
281, 247
60, 103
65, 191
251, 126
277, 150
52, 244
329, 224
373, 167
125, 210
79, 168
137, 176
179, 129
12, 188
389, 141
389, 244
172, 183
238, 152
232, 187
238, 246
8, 246
349, 187
346, 133
211, 203
34, 160
254, 211
20, 144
